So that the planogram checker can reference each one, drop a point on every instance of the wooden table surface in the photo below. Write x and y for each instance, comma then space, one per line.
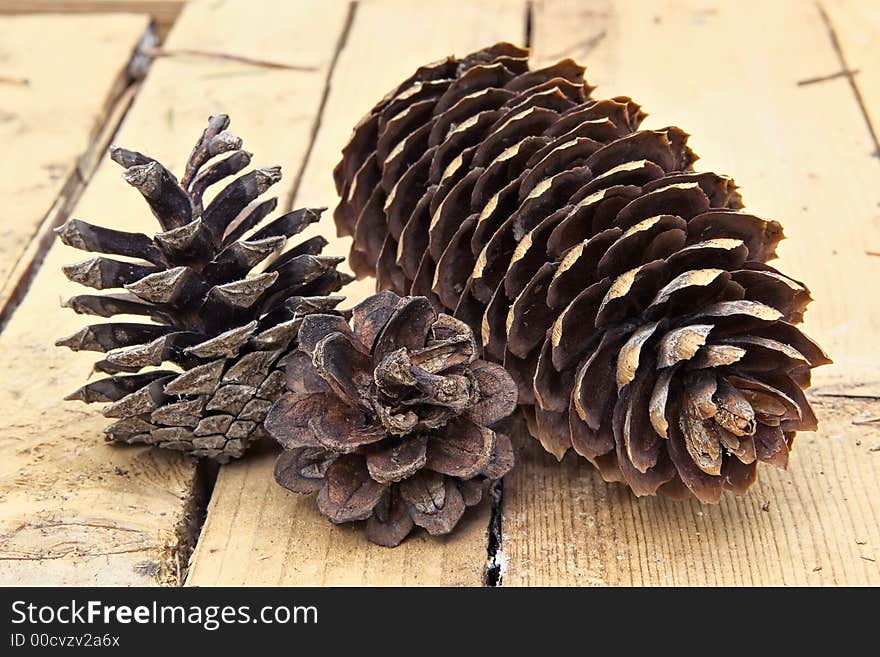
784, 96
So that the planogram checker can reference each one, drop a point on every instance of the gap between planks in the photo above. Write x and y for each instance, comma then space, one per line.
255, 532
289, 204
36, 534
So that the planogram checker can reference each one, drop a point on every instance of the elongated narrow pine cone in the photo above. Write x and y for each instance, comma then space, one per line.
627, 294
200, 373
390, 419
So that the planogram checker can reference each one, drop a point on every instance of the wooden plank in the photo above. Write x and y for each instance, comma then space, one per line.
854, 28
258, 534
255, 533
563, 525
855, 24
52, 146
163, 12
802, 153
75, 510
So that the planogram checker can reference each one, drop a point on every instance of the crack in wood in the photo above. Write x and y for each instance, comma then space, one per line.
838, 49
75, 553
529, 22
825, 78
175, 561
582, 48
340, 46
157, 52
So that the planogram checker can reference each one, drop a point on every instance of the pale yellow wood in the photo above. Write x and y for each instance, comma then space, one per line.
49, 126
853, 28
728, 73
563, 525
856, 24
162, 11
68, 516
256, 533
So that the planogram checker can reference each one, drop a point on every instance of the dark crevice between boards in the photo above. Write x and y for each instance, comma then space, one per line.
174, 566
340, 46
494, 573
528, 24
849, 74
496, 560
119, 101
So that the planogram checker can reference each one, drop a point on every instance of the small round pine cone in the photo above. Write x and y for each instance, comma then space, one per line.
390, 419
221, 327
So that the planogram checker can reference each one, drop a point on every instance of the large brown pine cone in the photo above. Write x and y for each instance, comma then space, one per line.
627, 294
390, 419
213, 317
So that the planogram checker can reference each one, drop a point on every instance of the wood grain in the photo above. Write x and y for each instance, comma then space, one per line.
255, 533
164, 12
52, 147
258, 534
802, 153
855, 27
855, 24
814, 524
75, 510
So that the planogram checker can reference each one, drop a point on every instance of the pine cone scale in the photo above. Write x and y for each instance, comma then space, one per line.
397, 462
349, 493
